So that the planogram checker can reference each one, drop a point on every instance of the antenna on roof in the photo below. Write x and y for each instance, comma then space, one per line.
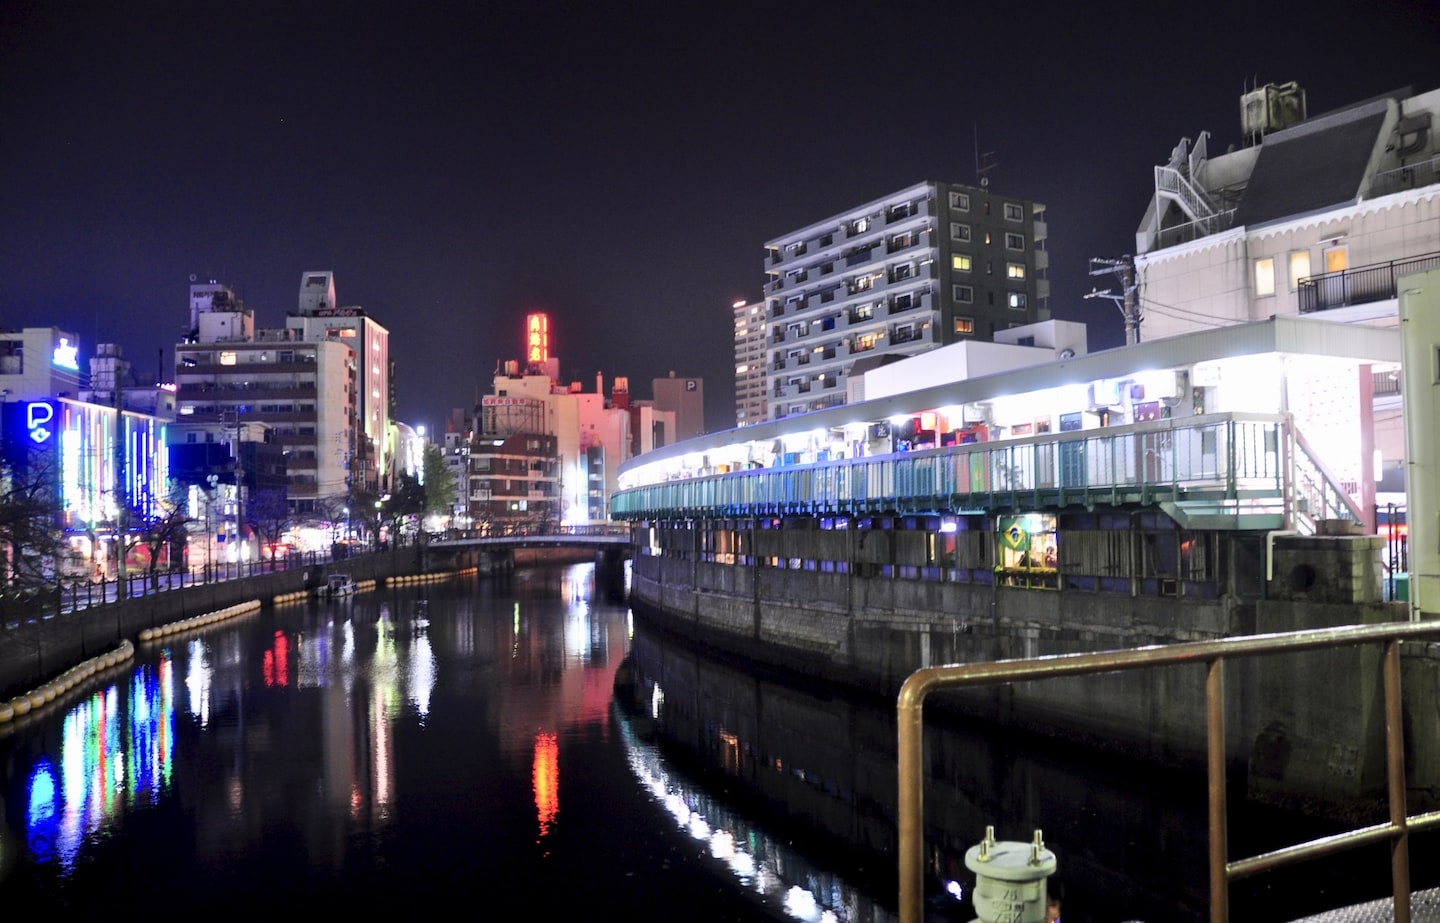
981, 168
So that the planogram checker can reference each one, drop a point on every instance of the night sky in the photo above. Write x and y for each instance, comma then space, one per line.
619, 165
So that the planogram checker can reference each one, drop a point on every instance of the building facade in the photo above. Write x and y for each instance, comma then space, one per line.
750, 354
320, 317
1307, 216
1316, 216
685, 398
38, 363
229, 375
923, 267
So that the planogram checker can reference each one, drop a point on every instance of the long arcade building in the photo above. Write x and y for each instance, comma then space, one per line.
1192, 488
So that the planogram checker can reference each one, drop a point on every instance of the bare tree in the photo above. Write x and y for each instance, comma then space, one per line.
268, 513
163, 525
31, 545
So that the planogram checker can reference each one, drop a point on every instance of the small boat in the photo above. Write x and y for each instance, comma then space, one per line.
336, 585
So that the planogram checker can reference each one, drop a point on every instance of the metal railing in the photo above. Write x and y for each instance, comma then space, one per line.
1212, 654
1361, 285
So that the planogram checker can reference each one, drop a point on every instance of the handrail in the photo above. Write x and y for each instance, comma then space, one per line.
910, 720
1232, 456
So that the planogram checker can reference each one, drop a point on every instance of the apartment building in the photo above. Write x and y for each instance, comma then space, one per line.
750, 355
230, 376
929, 265
319, 316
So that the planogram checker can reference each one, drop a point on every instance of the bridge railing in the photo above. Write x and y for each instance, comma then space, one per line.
1217, 456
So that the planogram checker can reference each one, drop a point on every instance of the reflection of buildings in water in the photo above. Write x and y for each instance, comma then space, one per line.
761, 862
828, 763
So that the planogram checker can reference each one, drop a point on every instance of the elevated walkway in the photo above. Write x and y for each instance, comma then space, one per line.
1226, 471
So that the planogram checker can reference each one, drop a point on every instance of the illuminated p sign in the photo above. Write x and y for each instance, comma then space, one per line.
37, 416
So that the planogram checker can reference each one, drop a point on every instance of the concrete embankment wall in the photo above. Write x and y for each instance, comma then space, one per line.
1305, 727
36, 648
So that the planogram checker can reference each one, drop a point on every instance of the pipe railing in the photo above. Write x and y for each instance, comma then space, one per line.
1211, 654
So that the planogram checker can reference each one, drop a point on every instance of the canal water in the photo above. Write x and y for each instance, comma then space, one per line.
522, 748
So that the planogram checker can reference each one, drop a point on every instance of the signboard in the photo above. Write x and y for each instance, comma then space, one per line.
66, 355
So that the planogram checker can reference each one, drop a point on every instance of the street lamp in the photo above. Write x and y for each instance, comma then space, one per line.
378, 504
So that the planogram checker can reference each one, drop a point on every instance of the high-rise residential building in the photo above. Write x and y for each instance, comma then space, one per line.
319, 316
684, 397
931, 264
750, 332
231, 376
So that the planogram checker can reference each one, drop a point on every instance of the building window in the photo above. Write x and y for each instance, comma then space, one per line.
960, 262
987, 206
901, 241
1014, 241
859, 225
963, 294
959, 231
227, 357
1299, 268
965, 326
1017, 301
1014, 270
861, 283
865, 341
960, 201
1337, 259
902, 271
905, 302
1014, 212
1265, 277
862, 312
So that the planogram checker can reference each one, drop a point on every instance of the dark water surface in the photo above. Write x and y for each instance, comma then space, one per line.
521, 749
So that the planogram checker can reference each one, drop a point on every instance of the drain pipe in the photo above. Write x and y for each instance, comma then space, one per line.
1270, 551
1010, 879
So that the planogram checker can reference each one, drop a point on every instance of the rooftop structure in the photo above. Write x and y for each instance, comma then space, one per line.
1310, 214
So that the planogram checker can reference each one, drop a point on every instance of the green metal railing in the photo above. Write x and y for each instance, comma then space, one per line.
1217, 458
1212, 655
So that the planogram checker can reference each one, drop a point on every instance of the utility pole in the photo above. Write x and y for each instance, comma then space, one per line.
239, 491
122, 493
1127, 303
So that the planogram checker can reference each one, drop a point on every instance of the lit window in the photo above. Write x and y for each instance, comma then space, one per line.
960, 262
965, 326
1337, 259
859, 225
1014, 212
1017, 301
1299, 268
959, 231
963, 294
960, 201
227, 357
1014, 270
1265, 276
1014, 241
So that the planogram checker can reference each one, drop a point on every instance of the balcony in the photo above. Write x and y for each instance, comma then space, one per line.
1361, 285
1414, 176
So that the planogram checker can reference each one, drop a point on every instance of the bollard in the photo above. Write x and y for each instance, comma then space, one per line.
1010, 879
